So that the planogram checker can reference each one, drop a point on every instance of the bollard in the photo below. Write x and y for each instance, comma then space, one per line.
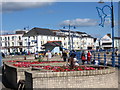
98, 58
94, 56
104, 59
71, 63
119, 61
113, 59
24, 57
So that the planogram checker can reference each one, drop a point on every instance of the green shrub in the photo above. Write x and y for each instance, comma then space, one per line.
40, 59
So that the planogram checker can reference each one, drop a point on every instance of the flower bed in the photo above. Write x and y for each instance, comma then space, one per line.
29, 64
64, 68
52, 66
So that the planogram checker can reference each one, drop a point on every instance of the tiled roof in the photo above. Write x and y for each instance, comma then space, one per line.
39, 31
52, 43
116, 37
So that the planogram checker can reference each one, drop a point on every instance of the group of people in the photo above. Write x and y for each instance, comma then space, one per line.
67, 55
84, 57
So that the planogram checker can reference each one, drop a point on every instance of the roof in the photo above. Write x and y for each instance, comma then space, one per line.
89, 36
116, 37
52, 43
80, 32
11, 34
39, 31
55, 30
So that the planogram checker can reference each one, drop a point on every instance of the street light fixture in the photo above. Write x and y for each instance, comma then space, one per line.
112, 25
70, 37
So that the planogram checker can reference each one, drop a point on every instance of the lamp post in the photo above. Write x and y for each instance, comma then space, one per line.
70, 38
112, 25
28, 45
27, 28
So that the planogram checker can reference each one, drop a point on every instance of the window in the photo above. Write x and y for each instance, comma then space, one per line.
0, 44
106, 43
0, 38
12, 37
64, 43
8, 38
12, 43
19, 38
5, 38
5, 44
20, 43
29, 43
25, 39
8, 44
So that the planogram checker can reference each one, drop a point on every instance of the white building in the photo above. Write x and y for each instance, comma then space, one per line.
11, 43
34, 40
117, 42
39, 36
106, 42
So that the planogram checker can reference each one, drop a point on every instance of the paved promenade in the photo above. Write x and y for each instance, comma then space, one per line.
56, 58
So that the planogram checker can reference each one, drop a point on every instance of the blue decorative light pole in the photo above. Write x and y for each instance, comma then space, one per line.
28, 45
112, 25
70, 38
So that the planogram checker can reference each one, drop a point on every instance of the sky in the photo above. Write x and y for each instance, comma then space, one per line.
56, 15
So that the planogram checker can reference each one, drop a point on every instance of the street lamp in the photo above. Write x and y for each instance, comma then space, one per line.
112, 25
27, 28
70, 38
28, 45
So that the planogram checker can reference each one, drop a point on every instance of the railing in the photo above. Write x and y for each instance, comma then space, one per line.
102, 57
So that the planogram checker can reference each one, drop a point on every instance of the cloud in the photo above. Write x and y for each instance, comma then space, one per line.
108, 22
80, 22
7, 32
96, 35
18, 5
86, 22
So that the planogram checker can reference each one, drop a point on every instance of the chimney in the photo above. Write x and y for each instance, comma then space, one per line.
109, 35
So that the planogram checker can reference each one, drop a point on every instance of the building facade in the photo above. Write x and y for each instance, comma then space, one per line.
106, 42
34, 39
11, 43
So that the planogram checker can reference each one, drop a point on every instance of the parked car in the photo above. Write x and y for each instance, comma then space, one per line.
40, 54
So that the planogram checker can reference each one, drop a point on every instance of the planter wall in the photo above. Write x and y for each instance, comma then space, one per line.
13, 74
105, 78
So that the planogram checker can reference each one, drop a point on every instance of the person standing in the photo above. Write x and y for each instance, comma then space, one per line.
71, 58
88, 57
83, 58
48, 55
3, 55
64, 55
73, 54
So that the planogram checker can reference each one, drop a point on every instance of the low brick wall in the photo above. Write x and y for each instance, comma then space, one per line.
13, 74
105, 78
